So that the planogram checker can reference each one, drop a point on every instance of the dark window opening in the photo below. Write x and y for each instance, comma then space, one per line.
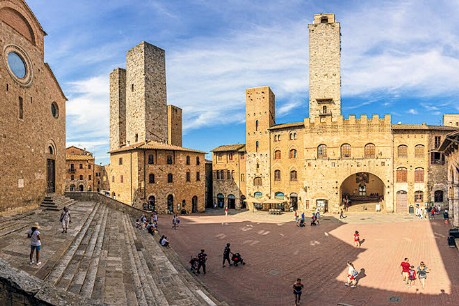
187, 160
151, 159
188, 176
21, 108
437, 158
170, 178
151, 178
169, 160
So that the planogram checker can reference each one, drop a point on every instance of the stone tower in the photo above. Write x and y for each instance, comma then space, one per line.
146, 97
324, 67
117, 108
260, 116
174, 125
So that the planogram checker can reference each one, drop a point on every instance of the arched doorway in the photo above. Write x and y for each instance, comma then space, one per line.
401, 201
72, 187
294, 200
220, 200
363, 188
194, 204
170, 203
243, 203
438, 196
231, 201
152, 203
81, 188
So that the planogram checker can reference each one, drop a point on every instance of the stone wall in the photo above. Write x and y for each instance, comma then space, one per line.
232, 165
30, 133
20, 288
451, 120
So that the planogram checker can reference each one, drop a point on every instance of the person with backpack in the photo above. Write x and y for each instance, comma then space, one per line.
297, 288
202, 258
35, 243
65, 219
351, 275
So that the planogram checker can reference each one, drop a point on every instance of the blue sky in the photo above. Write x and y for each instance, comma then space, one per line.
398, 57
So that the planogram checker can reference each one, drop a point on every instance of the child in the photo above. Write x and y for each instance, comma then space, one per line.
297, 287
411, 276
351, 275
357, 239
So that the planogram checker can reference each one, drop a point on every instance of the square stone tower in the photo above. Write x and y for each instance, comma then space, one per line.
174, 124
324, 67
260, 115
117, 108
146, 96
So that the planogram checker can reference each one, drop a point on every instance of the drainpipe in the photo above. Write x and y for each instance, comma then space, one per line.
144, 175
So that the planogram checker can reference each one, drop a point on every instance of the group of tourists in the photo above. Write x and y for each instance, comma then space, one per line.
300, 220
150, 224
410, 274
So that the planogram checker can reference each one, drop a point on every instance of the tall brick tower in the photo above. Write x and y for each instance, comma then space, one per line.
174, 124
146, 96
260, 115
324, 66
117, 108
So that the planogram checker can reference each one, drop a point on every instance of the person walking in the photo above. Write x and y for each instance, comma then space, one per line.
226, 211
175, 221
295, 214
202, 258
341, 214
35, 243
405, 270
412, 276
297, 288
226, 254
357, 239
317, 216
422, 273
65, 219
351, 275
446, 216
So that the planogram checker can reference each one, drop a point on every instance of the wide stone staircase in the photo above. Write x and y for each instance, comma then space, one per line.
106, 259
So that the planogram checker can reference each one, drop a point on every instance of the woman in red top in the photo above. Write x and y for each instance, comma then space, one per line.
357, 239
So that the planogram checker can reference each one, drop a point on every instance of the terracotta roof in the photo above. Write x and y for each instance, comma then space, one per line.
153, 145
231, 147
78, 157
423, 127
286, 125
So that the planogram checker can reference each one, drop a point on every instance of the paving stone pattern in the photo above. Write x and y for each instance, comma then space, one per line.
103, 258
277, 252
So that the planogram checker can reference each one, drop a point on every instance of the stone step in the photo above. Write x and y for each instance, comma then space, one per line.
82, 263
142, 287
55, 275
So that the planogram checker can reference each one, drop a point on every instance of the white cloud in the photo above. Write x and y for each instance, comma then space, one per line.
412, 111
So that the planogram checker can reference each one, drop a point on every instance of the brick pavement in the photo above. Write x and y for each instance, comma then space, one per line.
277, 252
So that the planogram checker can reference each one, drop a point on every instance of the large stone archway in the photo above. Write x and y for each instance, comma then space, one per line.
363, 188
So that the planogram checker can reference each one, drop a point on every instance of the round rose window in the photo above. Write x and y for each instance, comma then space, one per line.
17, 65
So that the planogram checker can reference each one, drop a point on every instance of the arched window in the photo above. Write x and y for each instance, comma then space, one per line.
419, 151
277, 154
197, 160
256, 146
151, 159
256, 125
346, 150
291, 136
322, 151
170, 161
402, 151
370, 151
438, 196
187, 160
257, 181
292, 153
277, 175
401, 175
188, 176
419, 175
170, 178
293, 175
418, 196
151, 178
324, 109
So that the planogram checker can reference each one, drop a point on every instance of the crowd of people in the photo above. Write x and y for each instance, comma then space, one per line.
410, 274
300, 219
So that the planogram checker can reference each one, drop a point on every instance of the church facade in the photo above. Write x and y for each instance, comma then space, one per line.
328, 159
32, 113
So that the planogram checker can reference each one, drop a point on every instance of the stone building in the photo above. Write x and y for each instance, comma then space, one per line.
80, 170
451, 120
148, 166
450, 147
32, 113
327, 158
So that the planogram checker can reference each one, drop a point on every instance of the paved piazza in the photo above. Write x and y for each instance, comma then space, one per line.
277, 252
